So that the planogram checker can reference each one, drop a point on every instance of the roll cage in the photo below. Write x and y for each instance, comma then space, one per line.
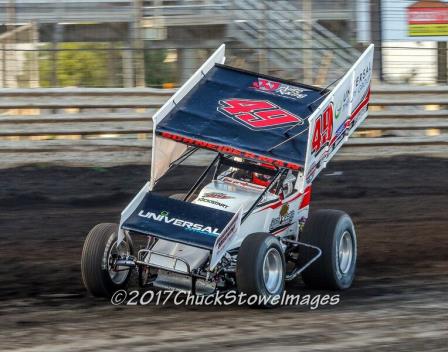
277, 175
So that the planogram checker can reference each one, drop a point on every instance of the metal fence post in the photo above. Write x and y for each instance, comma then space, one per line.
377, 36
34, 65
442, 63
307, 15
139, 44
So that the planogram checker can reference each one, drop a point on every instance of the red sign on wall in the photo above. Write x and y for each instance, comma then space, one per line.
428, 18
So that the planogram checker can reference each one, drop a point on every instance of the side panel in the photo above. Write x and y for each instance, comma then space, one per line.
280, 218
130, 208
338, 116
166, 151
225, 239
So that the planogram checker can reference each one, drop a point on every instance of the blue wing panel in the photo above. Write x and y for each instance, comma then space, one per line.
178, 221
241, 110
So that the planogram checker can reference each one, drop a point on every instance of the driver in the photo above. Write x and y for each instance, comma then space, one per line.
262, 179
256, 178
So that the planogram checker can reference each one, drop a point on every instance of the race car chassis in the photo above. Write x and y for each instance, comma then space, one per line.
144, 267
181, 266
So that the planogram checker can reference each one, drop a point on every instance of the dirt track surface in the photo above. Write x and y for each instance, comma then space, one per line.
398, 302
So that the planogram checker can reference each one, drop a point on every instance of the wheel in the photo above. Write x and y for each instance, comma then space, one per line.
178, 196
100, 250
333, 232
260, 268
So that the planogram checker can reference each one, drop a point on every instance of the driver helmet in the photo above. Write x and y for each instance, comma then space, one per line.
262, 179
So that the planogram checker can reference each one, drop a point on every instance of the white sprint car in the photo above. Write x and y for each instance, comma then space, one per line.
244, 223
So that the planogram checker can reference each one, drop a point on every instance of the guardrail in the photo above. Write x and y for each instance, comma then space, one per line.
113, 126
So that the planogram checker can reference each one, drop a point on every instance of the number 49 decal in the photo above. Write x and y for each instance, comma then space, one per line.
257, 114
323, 129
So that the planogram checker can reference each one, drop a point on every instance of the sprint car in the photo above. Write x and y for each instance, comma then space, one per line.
245, 223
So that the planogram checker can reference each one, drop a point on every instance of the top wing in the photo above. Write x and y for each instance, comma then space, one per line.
245, 114
261, 118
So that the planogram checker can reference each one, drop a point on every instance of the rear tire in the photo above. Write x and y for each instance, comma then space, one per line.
260, 268
333, 232
99, 248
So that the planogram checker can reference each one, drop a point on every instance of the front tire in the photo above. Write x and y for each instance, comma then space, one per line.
334, 233
100, 249
260, 268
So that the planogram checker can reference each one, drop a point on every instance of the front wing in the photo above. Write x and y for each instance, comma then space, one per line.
177, 221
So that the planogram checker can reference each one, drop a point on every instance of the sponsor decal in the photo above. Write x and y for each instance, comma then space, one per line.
345, 101
257, 114
302, 222
285, 218
362, 79
320, 135
338, 135
284, 210
242, 183
323, 129
338, 112
280, 89
317, 165
226, 238
306, 198
164, 217
214, 202
217, 195
229, 150
362, 107
229, 232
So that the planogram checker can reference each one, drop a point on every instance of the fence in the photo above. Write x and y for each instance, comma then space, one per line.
156, 43
104, 127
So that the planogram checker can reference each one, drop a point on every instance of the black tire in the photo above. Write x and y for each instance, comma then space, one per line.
178, 196
324, 229
249, 267
95, 274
